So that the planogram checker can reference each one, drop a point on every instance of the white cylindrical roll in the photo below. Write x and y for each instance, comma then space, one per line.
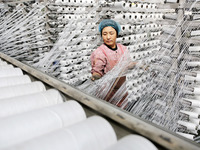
194, 48
23, 127
133, 142
58, 2
195, 121
120, 18
119, 5
19, 90
66, 76
194, 103
30, 102
195, 109
193, 64
196, 90
171, 1
14, 80
195, 33
6, 66
3, 63
95, 133
188, 125
126, 28
189, 78
188, 136
10, 72
191, 114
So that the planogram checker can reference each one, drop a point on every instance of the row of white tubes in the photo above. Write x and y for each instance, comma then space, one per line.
75, 2
193, 125
23, 101
138, 17
138, 37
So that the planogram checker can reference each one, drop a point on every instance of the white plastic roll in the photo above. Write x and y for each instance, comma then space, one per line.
136, 17
188, 136
196, 90
10, 72
191, 114
196, 16
30, 102
171, 1
19, 90
119, 5
95, 133
3, 63
126, 28
23, 127
68, 62
14, 80
195, 121
66, 69
120, 18
188, 125
195, 33
195, 109
194, 48
6, 66
133, 142
194, 103
193, 64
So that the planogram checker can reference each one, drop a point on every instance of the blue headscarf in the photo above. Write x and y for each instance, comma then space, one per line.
111, 23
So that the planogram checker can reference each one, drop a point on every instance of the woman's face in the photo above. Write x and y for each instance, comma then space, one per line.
109, 36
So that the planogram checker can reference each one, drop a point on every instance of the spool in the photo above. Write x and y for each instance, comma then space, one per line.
194, 103
171, 1
191, 114
195, 121
188, 125
14, 80
23, 127
194, 49
188, 136
3, 63
10, 72
23, 89
195, 33
21, 104
133, 142
6, 66
196, 90
100, 135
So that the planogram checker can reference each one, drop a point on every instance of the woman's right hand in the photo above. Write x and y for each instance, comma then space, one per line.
95, 76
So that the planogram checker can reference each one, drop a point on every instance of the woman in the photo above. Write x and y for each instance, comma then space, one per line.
105, 57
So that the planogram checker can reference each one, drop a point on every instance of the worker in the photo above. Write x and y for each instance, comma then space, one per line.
105, 57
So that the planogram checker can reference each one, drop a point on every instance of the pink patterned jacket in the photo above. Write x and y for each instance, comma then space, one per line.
104, 59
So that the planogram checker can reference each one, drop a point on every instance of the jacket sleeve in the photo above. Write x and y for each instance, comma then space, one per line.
98, 62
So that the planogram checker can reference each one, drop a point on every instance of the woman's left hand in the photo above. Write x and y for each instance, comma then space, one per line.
132, 65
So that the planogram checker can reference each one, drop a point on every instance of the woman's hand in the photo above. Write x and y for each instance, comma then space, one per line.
132, 65
140, 65
95, 76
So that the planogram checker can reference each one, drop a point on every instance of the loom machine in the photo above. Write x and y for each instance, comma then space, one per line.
47, 100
